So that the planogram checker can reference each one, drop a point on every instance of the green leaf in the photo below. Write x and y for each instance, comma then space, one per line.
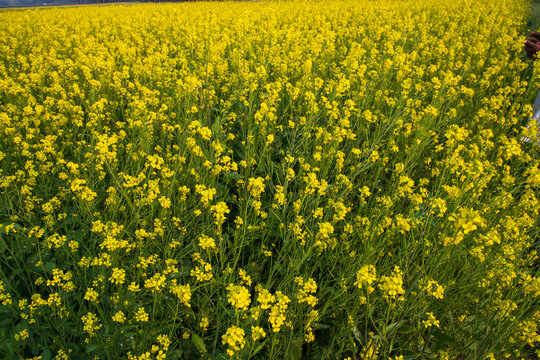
93, 347
294, 351
257, 349
198, 342
3, 246
220, 356
474, 346
6, 323
221, 190
441, 338
233, 176
127, 328
316, 326
411, 357
395, 326
17, 272
49, 266
46, 354
216, 126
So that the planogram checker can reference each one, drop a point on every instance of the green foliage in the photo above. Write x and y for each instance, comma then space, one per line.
269, 180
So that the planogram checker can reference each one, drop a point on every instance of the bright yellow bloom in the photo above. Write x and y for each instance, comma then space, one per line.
118, 276
392, 286
22, 335
119, 317
91, 323
155, 283
306, 289
5, 297
265, 298
365, 277
91, 295
433, 288
219, 211
325, 230
203, 271
183, 292
141, 315
133, 287
234, 338
206, 242
238, 296
203, 324
256, 187
207, 194
257, 333
431, 320
278, 311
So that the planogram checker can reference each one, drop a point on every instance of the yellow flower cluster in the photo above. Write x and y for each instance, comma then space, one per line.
206, 242
264, 297
365, 277
118, 276
119, 317
203, 324
392, 286
207, 194
278, 311
256, 187
220, 211
141, 315
238, 296
183, 292
255, 171
433, 288
91, 323
5, 297
234, 338
431, 321
22, 335
156, 282
91, 295
305, 291
202, 271
257, 333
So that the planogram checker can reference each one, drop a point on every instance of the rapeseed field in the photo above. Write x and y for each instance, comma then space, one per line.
269, 180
